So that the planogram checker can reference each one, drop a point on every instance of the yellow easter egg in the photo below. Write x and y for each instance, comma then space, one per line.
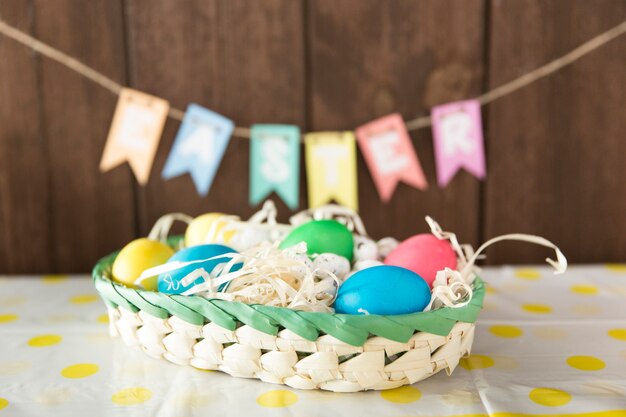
199, 228
136, 257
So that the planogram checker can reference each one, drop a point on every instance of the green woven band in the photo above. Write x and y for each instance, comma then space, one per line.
351, 329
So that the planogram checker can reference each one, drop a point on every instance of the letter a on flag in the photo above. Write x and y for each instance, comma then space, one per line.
199, 147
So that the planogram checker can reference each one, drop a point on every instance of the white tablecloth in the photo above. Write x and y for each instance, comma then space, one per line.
545, 345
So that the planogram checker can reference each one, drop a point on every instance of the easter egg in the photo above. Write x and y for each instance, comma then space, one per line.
138, 256
322, 236
198, 230
383, 290
170, 282
423, 254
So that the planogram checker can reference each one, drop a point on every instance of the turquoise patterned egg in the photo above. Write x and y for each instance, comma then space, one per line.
170, 282
384, 290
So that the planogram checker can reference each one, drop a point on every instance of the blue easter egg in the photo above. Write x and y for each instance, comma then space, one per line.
384, 290
169, 282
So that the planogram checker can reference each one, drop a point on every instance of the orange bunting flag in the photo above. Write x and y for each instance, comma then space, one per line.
331, 168
135, 132
389, 153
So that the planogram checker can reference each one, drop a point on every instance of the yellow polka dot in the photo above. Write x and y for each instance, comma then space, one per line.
550, 333
537, 308
131, 396
476, 362
527, 273
103, 319
490, 290
584, 289
620, 268
54, 279
45, 340
83, 299
619, 334
3, 403
7, 318
277, 398
80, 370
549, 397
402, 395
585, 363
506, 331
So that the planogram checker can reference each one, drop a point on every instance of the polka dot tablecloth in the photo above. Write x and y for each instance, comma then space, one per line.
545, 346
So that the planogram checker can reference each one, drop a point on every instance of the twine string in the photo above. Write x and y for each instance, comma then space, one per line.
244, 132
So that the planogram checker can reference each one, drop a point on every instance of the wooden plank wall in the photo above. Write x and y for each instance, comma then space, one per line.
555, 150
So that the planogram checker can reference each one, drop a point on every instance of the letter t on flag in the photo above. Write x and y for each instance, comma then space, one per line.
389, 153
331, 168
199, 147
275, 163
458, 137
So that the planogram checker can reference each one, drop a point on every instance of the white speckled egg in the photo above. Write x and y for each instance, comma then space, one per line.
364, 248
336, 264
386, 245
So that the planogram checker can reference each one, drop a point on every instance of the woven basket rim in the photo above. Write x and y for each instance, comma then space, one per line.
351, 329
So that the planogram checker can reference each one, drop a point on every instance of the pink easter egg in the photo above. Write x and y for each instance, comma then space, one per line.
423, 254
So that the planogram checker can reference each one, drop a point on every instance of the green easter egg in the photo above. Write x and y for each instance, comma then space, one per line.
138, 256
322, 236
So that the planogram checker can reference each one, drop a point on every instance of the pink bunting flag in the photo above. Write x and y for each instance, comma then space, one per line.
389, 154
459, 143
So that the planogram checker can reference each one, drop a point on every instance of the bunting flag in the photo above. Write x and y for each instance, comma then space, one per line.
458, 137
135, 133
389, 154
275, 163
331, 168
199, 147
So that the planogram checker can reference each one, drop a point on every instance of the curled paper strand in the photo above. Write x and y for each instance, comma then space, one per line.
560, 265
450, 290
162, 226
453, 288
269, 276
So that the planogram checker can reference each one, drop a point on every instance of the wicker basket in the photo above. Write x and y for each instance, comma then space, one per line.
305, 350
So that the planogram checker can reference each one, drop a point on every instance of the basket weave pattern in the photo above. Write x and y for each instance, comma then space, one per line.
326, 363
305, 350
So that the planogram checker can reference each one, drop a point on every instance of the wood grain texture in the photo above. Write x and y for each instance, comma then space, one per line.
25, 236
372, 58
556, 150
242, 59
91, 213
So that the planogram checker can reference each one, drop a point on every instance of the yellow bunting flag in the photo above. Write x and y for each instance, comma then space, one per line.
135, 132
331, 168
